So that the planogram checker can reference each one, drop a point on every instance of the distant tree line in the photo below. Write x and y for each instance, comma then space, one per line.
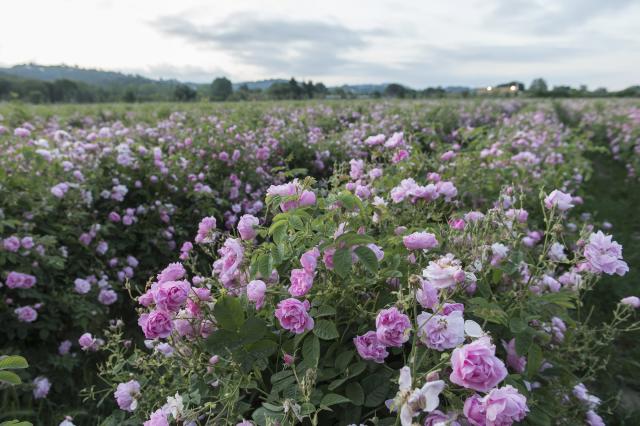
221, 89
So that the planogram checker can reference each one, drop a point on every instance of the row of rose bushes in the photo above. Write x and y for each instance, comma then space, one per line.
93, 202
414, 288
385, 299
472, 152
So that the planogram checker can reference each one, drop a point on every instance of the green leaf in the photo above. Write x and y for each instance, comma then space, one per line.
376, 387
229, 313
311, 350
523, 342
10, 377
265, 265
343, 360
253, 330
279, 231
349, 201
355, 393
534, 360
342, 261
307, 408
16, 423
326, 330
518, 325
13, 362
368, 258
336, 384
488, 311
296, 222
356, 369
353, 238
325, 311
333, 399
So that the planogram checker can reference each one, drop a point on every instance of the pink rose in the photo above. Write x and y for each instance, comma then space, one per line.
171, 295
604, 255
500, 407
156, 324
301, 282
255, 292
126, 395
444, 272
427, 295
558, 199
420, 240
441, 332
20, 280
293, 315
516, 362
246, 226
173, 272
392, 327
505, 406
476, 367
632, 301
370, 348
205, 227
227, 267
309, 259
474, 410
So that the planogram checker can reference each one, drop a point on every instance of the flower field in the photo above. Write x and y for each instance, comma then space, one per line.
336, 263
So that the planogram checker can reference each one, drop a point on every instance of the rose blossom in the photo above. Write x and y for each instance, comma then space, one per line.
441, 332
301, 282
173, 272
246, 226
41, 387
126, 394
558, 199
231, 256
427, 295
604, 255
476, 367
309, 259
392, 327
89, 343
516, 362
205, 227
26, 314
156, 324
171, 295
255, 292
442, 273
504, 406
438, 418
293, 315
82, 286
107, 296
370, 348
11, 244
420, 240
632, 301
20, 280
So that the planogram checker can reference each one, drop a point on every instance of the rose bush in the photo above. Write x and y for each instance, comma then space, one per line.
423, 217
380, 308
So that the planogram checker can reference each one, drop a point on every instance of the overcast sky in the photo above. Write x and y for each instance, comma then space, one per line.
418, 43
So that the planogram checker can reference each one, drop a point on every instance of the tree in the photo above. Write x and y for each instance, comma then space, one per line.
221, 89
295, 89
184, 93
395, 90
539, 87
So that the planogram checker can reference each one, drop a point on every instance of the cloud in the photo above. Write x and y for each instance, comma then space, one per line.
275, 45
544, 17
